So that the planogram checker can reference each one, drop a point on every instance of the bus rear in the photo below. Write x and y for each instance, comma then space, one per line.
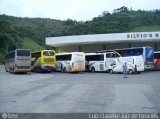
48, 60
148, 56
22, 60
78, 61
157, 60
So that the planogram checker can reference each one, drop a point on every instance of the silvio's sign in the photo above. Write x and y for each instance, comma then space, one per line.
143, 35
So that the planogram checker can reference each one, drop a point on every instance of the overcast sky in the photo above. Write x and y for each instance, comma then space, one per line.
73, 9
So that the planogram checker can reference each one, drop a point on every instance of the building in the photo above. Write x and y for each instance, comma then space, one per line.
97, 42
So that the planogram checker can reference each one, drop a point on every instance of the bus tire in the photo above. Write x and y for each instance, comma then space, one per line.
130, 71
14, 71
111, 71
64, 70
39, 69
138, 72
92, 69
6, 69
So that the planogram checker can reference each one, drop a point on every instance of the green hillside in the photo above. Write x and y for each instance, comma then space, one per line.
31, 32
146, 28
31, 44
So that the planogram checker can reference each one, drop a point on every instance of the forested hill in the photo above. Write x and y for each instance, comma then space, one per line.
31, 32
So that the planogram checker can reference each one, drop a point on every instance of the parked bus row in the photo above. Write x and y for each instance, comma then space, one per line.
22, 60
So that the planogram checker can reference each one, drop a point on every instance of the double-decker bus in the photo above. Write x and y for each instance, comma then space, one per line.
157, 60
43, 60
99, 61
70, 62
146, 52
18, 60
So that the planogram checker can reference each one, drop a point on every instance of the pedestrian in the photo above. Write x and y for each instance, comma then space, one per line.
125, 70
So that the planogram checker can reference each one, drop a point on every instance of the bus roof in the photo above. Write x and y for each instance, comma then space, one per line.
65, 53
43, 50
133, 48
17, 49
123, 49
156, 51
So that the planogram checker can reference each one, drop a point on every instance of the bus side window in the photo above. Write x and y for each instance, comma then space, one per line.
101, 57
107, 55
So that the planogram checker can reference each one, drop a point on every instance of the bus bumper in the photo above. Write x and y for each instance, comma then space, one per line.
22, 69
48, 68
77, 70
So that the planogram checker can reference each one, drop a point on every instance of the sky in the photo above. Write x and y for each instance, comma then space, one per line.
80, 10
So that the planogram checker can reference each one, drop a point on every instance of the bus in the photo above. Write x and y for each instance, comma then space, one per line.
43, 61
99, 61
70, 62
157, 60
146, 52
134, 64
18, 60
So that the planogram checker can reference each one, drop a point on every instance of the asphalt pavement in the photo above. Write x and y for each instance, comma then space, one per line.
79, 92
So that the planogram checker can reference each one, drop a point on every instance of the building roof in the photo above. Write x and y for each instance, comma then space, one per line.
104, 38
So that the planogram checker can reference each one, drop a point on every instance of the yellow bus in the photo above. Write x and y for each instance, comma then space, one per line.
43, 60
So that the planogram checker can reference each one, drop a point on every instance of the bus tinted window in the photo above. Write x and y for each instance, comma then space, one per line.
110, 55
63, 57
130, 52
48, 53
23, 53
95, 58
10, 55
156, 55
36, 54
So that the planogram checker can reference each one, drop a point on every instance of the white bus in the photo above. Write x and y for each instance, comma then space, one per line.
99, 61
18, 60
135, 64
70, 62
146, 52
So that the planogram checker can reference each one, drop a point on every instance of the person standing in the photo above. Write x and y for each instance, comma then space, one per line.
125, 70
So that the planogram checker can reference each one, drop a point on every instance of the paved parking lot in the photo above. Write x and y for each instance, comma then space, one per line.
82, 92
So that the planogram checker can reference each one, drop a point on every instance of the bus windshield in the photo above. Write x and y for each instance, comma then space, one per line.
63, 57
23, 53
48, 53
79, 57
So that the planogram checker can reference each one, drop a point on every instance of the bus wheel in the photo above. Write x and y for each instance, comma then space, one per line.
92, 69
138, 72
130, 71
64, 70
111, 71
6, 69
39, 69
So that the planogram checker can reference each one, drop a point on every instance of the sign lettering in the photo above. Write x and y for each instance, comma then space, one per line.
139, 36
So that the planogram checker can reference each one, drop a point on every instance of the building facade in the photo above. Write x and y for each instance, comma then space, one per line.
98, 42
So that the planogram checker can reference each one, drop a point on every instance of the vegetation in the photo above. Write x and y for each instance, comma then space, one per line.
31, 32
